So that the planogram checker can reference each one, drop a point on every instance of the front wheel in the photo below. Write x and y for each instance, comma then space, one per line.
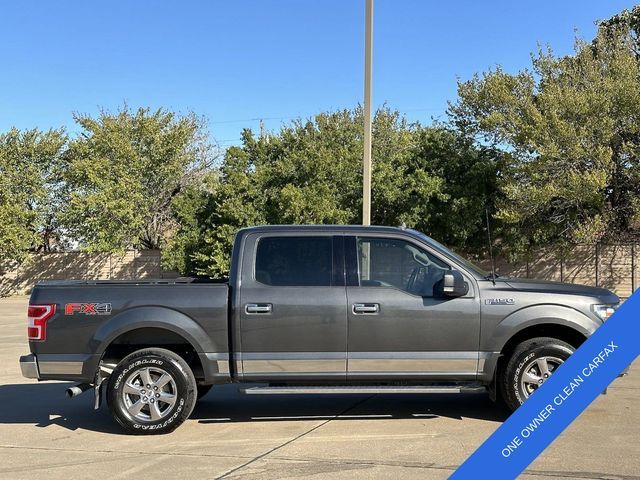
151, 391
530, 365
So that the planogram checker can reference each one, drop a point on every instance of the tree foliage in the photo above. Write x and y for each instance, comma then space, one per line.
310, 172
552, 151
570, 127
124, 171
29, 191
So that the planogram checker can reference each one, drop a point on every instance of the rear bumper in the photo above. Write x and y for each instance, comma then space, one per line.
59, 366
29, 366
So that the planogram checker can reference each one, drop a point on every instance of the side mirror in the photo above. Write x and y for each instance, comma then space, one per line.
452, 285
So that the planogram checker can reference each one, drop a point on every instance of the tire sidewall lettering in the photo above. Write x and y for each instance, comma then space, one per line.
536, 352
517, 375
159, 426
134, 366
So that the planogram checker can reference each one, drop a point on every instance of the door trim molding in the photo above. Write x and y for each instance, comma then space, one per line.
293, 363
291, 355
410, 355
368, 363
428, 363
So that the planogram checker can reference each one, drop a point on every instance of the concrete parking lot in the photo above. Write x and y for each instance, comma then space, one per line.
45, 435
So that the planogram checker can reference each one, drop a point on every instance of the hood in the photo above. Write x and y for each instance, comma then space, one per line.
545, 286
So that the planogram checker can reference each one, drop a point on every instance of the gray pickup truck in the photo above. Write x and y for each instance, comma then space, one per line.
308, 309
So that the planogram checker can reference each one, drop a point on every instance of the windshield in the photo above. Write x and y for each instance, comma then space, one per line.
450, 253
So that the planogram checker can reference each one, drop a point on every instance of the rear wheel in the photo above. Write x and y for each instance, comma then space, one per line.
530, 365
151, 391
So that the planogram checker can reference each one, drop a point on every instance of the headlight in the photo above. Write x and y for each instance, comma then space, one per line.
603, 311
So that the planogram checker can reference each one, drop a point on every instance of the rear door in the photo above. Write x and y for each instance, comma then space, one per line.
398, 328
293, 323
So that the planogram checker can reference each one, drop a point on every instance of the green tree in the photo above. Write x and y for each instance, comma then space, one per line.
30, 191
470, 176
570, 128
236, 200
125, 170
184, 246
310, 172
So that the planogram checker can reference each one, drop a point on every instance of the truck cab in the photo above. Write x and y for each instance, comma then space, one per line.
352, 305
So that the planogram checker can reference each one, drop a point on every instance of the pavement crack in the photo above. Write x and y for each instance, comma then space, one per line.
289, 442
127, 452
581, 475
81, 463
364, 462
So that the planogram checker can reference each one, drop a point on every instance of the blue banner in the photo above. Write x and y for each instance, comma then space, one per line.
559, 401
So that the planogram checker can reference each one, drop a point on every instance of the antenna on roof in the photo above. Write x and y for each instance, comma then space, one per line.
493, 264
403, 226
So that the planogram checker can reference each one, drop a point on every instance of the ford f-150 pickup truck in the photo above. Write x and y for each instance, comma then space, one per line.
308, 309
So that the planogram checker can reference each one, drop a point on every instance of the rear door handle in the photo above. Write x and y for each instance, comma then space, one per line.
255, 308
366, 308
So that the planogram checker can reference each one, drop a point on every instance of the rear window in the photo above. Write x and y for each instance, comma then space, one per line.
294, 261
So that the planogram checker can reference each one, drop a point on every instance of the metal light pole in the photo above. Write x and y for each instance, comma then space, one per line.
366, 159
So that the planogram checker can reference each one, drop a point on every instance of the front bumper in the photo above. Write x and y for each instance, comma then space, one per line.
29, 366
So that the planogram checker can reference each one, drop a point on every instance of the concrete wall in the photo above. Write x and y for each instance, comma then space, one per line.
18, 279
609, 266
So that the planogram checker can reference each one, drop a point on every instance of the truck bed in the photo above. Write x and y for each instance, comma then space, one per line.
143, 281
93, 314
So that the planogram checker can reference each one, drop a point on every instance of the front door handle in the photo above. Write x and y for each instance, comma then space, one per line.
366, 308
254, 308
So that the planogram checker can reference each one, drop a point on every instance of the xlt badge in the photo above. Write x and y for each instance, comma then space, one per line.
500, 301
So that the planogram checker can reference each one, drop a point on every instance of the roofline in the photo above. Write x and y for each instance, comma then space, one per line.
416, 235
382, 228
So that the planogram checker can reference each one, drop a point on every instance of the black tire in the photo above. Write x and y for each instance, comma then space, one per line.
526, 358
203, 390
169, 404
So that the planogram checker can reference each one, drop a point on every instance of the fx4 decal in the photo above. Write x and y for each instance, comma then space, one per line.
87, 308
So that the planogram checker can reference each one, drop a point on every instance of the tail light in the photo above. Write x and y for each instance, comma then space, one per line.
37, 324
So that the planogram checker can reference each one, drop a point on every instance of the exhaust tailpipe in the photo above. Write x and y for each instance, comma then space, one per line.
77, 390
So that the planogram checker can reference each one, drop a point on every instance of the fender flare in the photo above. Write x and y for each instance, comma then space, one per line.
152, 317
518, 321
551, 314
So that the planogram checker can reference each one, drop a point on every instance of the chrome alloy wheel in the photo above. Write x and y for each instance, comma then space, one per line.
149, 394
537, 372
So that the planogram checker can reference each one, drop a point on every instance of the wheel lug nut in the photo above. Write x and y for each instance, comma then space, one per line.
157, 395
152, 400
142, 392
148, 386
155, 388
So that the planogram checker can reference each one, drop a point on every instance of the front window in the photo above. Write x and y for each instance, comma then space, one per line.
450, 253
384, 262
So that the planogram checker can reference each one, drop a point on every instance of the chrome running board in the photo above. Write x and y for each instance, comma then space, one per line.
333, 390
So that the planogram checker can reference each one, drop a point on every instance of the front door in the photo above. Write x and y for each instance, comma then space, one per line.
293, 323
398, 329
